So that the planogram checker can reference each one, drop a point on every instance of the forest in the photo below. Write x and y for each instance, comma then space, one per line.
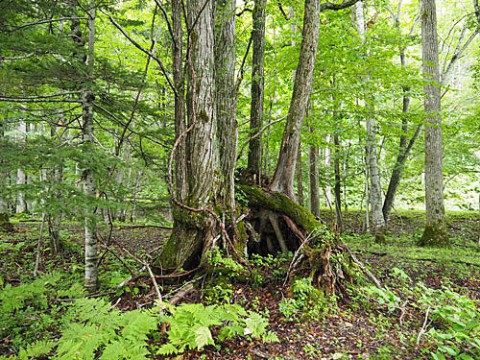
222, 179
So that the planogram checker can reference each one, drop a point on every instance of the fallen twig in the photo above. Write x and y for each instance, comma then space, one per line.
423, 330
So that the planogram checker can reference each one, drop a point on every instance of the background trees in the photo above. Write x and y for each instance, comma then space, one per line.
143, 54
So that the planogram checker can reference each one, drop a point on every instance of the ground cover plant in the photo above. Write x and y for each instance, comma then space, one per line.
426, 308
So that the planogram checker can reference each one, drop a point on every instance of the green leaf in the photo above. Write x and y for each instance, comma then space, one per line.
203, 337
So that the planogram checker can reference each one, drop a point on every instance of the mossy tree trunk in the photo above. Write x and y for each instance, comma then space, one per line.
194, 224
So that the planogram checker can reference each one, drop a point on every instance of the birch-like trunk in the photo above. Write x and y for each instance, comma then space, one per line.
87, 177
314, 180
257, 90
4, 213
283, 178
21, 205
375, 189
435, 232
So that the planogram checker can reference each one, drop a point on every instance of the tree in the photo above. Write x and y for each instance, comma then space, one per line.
194, 226
226, 103
373, 175
254, 166
435, 232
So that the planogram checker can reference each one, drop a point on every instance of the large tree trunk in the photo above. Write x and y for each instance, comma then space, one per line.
435, 232
226, 102
283, 178
375, 189
194, 227
254, 166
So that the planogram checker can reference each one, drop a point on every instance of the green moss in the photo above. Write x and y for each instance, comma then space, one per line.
280, 203
435, 236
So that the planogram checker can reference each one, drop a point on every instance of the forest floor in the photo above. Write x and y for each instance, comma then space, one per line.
365, 324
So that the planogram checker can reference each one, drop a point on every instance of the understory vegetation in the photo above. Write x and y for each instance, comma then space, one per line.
427, 305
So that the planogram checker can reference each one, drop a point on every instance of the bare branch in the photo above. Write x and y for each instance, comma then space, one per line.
47, 21
149, 53
164, 12
329, 6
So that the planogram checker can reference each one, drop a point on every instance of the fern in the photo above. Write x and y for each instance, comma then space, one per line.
38, 348
97, 329
191, 326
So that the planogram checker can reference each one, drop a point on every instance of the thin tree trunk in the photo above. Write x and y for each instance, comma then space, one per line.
254, 166
284, 174
21, 205
181, 182
88, 181
4, 213
299, 175
435, 232
338, 182
314, 181
375, 189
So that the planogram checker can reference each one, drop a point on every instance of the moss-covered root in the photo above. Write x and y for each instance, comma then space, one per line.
435, 236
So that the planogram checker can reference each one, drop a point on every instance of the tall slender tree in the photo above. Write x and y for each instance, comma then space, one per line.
375, 188
435, 232
254, 165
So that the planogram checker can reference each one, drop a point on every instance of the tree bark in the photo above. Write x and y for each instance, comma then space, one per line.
338, 182
435, 232
21, 206
314, 181
283, 178
5, 224
87, 178
181, 183
254, 166
194, 227
226, 103
299, 176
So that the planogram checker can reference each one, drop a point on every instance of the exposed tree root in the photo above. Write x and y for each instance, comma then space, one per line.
290, 227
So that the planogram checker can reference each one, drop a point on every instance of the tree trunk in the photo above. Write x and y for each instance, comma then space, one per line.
226, 103
338, 182
87, 179
254, 166
181, 183
284, 173
299, 175
194, 227
21, 206
375, 189
314, 181
435, 232
5, 224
